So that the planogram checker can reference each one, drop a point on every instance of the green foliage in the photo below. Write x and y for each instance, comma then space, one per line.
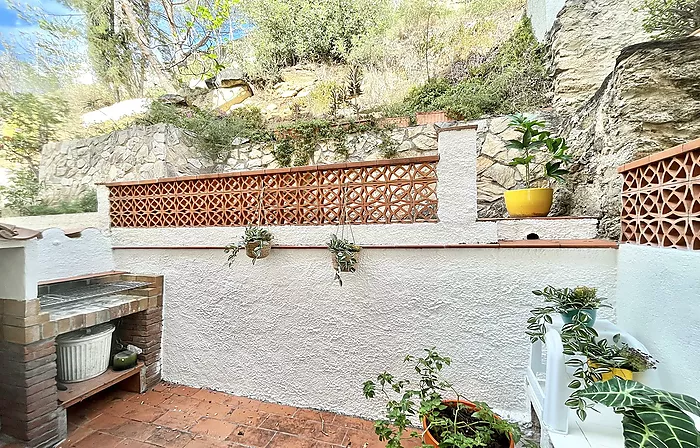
23, 197
652, 418
296, 143
22, 193
424, 399
671, 19
512, 78
561, 300
112, 55
212, 133
253, 234
345, 255
291, 31
539, 150
28, 122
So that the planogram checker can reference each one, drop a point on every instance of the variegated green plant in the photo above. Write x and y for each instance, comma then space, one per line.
652, 418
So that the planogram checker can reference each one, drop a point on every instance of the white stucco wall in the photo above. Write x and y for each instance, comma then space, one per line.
547, 229
543, 13
283, 331
56, 256
658, 303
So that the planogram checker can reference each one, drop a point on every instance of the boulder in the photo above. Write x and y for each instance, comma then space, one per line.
224, 98
173, 99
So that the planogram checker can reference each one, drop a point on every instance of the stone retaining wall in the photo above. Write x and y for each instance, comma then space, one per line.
71, 168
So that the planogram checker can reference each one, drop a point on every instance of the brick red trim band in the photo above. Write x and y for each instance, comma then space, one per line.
520, 244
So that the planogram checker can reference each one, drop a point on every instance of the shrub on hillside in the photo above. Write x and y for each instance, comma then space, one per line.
211, 132
671, 19
512, 78
291, 31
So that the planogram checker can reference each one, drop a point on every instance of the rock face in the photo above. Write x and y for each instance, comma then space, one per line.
585, 41
649, 103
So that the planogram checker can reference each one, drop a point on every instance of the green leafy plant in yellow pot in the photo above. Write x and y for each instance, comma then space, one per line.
544, 159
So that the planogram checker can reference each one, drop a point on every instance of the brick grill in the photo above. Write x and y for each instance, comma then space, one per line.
30, 410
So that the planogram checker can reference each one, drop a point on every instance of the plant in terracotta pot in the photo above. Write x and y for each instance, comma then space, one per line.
544, 159
578, 304
447, 422
345, 255
256, 241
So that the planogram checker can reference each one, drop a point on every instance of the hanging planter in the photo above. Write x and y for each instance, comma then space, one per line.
256, 241
345, 256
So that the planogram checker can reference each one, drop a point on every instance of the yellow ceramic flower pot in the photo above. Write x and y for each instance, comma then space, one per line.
528, 202
623, 374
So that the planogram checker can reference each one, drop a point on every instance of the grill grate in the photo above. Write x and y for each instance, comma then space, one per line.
74, 294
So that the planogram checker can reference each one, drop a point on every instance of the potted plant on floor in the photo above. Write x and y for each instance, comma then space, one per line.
256, 241
345, 256
579, 304
652, 418
447, 422
544, 159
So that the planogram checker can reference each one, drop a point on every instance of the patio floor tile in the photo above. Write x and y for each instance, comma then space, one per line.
251, 436
211, 427
170, 438
98, 439
173, 416
177, 420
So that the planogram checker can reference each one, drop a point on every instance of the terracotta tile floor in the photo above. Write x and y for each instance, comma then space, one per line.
178, 416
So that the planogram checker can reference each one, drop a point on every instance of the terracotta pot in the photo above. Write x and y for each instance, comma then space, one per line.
398, 122
430, 440
431, 117
250, 249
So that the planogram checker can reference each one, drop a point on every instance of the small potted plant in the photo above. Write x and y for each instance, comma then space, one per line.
651, 417
579, 304
544, 159
345, 256
255, 240
596, 359
447, 422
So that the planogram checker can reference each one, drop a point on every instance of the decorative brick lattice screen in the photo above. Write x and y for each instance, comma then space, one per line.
661, 198
378, 192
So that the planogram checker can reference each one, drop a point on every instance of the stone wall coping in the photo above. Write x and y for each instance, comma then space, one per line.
671, 152
296, 169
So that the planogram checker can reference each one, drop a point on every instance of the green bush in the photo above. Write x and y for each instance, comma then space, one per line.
671, 19
287, 32
22, 197
512, 78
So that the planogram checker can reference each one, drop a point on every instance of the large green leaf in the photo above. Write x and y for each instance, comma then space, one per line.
659, 426
652, 418
618, 393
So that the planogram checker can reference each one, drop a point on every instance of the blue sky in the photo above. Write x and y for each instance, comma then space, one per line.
10, 23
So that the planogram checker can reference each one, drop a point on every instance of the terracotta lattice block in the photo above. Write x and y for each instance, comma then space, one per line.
661, 199
402, 191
